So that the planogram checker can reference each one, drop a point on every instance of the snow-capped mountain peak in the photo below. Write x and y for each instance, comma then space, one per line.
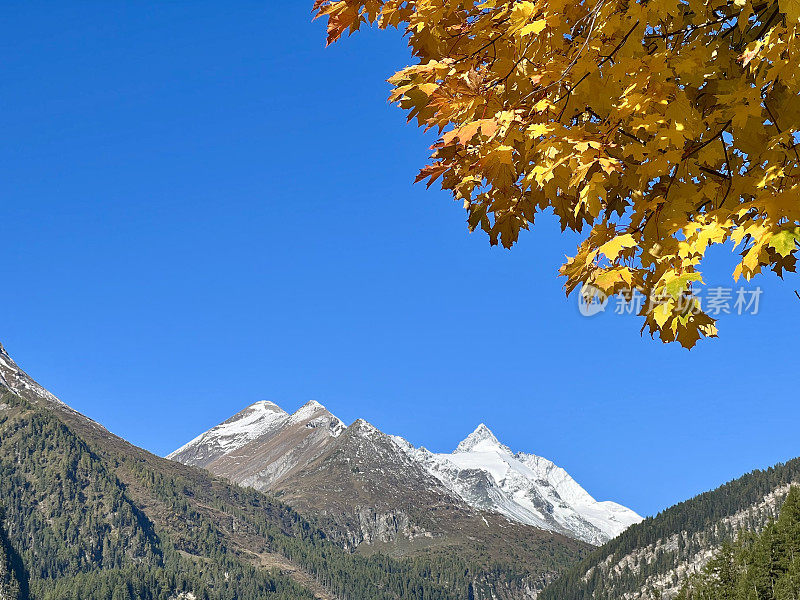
245, 426
314, 415
481, 440
309, 410
527, 488
266, 405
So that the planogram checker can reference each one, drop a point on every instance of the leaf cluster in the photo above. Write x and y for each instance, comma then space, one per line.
657, 128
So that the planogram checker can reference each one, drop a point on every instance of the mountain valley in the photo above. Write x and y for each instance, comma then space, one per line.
278, 506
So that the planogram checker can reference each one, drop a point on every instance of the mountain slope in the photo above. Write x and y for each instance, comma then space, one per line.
253, 422
90, 516
656, 556
367, 490
764, 566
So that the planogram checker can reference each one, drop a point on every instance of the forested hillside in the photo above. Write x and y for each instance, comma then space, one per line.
656, 556
92, 517
80, 535
762, 566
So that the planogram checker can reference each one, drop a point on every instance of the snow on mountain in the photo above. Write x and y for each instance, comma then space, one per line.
314, 415
19, 382
251, 423
609, 517
526, 488
263, 446
481, 440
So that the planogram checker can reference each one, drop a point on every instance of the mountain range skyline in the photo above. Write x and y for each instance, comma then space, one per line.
204, 416
264, 447
373, 524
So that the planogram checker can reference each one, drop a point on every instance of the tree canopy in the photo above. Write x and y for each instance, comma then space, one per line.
657, 128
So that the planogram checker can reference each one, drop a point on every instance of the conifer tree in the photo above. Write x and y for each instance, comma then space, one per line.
762, 567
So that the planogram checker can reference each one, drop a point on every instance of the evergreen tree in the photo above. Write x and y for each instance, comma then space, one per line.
757, 567
10, 586
688, 528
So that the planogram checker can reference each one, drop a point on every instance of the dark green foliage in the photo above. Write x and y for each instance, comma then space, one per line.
696, 525
11, 576
757, 567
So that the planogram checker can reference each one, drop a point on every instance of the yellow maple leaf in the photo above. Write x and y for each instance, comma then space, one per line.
534, 28
612, 248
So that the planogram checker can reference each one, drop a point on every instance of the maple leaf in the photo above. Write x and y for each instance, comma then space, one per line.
785, 242
432, 173
613, 248
466, 132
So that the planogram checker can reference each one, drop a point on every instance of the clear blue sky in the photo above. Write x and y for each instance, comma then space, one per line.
204, 207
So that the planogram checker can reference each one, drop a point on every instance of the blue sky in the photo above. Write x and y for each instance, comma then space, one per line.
204, 207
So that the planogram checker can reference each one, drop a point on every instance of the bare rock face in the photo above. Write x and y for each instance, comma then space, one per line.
386, 527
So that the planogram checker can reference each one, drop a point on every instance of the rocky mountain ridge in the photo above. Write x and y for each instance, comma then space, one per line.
268, 449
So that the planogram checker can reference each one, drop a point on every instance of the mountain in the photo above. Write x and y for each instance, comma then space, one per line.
653, 559
369, 495
524, 487
253, 422
86, 515
370, 487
